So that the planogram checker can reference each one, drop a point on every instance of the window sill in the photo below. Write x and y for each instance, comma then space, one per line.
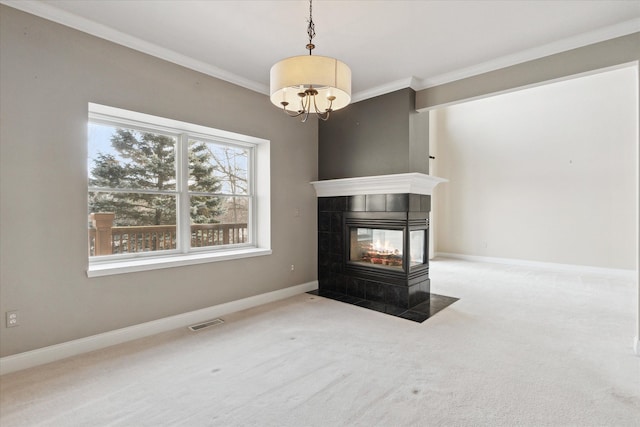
132, 266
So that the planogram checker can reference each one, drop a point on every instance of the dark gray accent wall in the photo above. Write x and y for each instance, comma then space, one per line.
379, 136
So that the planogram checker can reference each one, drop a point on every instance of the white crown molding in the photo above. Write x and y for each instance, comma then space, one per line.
385, 89
532, 85
61, 351
596, 36
54, 14
414, 183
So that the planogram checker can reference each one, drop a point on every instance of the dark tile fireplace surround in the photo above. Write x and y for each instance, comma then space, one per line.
376, 285
403, 291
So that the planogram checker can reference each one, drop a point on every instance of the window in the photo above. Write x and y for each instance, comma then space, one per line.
163, 193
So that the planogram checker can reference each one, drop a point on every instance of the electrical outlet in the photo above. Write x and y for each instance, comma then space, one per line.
12, 319
293, 267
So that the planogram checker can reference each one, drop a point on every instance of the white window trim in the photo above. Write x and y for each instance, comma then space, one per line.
181, 260
261, 212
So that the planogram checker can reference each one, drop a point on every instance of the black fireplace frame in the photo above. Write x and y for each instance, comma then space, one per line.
403, 221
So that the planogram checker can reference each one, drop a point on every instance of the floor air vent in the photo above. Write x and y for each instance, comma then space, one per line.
206, 324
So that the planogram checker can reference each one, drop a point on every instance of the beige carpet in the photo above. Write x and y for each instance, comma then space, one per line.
522, 347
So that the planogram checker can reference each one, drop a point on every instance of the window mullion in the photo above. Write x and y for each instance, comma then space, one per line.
251, 188
183, 218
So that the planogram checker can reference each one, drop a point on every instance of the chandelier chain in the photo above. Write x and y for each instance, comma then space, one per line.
311, 29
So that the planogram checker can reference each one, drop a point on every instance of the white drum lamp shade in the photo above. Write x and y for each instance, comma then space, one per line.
330, 77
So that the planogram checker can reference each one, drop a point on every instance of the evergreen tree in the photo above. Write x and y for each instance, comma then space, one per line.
201, 178
148, 163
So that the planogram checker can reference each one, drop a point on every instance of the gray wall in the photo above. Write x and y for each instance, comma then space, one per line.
378, 136
585, 59
48, 74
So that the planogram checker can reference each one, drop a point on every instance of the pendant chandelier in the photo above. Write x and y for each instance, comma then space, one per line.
310, 84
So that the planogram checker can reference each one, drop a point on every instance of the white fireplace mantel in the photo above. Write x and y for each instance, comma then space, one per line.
414, 183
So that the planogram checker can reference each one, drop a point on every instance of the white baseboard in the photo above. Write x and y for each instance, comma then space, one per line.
624, 274
55, 352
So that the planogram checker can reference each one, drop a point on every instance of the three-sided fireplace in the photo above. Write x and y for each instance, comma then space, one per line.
373, 245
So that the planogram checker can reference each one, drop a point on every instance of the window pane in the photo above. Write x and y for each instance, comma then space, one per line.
216, 168
128, 223
219, 221
129, 159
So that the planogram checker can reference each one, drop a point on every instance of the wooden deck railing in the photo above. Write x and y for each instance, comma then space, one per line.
105, 239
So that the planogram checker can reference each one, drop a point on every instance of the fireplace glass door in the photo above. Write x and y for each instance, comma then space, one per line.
417, 247
377, 246
382, 247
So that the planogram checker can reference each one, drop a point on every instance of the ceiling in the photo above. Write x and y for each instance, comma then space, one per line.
389, 45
